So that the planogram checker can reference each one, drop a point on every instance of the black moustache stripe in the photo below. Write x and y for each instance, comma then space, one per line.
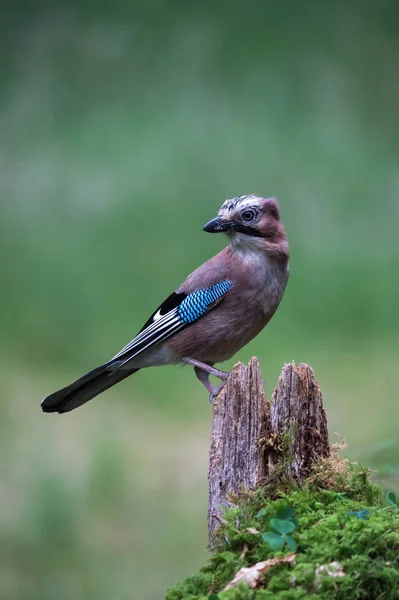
248, 230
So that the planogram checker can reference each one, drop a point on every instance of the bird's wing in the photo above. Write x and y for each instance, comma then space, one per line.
178, 311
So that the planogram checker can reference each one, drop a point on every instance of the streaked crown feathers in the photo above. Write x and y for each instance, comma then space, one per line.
233, 205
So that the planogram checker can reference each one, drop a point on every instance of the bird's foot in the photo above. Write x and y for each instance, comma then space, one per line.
207, 368
213, 395
224, 375
203, 376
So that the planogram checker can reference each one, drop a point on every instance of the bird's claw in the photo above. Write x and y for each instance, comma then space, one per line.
215, 393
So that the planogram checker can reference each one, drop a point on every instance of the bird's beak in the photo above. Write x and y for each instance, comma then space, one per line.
218, 226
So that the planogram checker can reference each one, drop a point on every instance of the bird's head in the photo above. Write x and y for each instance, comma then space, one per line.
252, 224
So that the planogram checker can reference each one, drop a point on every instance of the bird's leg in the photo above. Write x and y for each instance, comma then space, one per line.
202, 371
208, 368
203, 377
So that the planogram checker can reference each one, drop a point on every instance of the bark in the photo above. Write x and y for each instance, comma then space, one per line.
250, 438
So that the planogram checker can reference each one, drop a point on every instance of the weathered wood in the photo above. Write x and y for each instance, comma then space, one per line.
241, 417
298, 415
249, 437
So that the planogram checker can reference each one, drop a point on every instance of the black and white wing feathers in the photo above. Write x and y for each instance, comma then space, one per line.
163, 323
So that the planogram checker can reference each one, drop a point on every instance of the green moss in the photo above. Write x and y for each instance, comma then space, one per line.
363, 547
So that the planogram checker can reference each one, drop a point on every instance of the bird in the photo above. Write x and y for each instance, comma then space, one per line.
216, 311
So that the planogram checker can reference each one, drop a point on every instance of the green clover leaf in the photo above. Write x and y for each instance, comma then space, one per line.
275, 541
391, 498
285, 513
291, 543
282, 527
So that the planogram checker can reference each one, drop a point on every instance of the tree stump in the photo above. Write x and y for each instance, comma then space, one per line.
249, 433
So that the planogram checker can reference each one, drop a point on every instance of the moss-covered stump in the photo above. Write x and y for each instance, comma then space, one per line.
335, 536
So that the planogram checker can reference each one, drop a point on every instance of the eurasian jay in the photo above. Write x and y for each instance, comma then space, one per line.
219, 308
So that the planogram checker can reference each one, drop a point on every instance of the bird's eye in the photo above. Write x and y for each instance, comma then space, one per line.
248, 215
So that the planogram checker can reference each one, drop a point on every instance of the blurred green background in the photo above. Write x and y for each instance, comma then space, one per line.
123, 127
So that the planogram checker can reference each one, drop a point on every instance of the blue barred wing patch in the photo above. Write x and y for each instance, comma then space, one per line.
197, 303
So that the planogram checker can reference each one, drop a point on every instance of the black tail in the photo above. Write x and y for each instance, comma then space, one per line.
84, 389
